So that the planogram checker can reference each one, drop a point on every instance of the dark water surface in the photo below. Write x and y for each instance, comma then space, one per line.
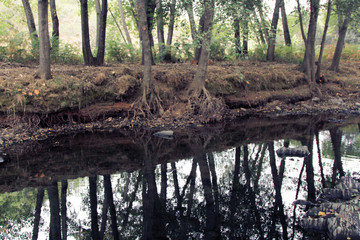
215, 182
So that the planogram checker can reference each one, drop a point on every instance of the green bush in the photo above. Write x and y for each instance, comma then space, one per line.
66, 54
121, 52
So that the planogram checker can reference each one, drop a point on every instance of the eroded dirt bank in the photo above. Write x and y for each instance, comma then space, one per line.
88, 98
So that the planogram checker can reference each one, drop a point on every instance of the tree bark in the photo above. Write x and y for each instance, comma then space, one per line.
245, 38
123, 22
237, 36
340, 44
322, 46
287, 37
198, 82
30, 20
160, 29
55, 27
93, 208
270, 55
171, 22
146, 46
309, 58
44, 41
98, 19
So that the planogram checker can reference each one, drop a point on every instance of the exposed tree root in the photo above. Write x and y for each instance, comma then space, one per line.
148, 106
205, 107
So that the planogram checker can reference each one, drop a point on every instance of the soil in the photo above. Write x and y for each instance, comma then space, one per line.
88, 98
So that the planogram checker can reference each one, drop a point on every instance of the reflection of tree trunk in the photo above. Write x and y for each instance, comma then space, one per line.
309, 167
176, 185
192, 187
132, 199
320, 161
104, 217
250, 191
211, 228
93, 208
214, 182
336, 135
277, 186
64, 186
53, 193
110, 199
234, 199
163, 184
39, 201
259, 168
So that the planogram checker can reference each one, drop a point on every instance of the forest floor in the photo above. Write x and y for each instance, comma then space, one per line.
84, 98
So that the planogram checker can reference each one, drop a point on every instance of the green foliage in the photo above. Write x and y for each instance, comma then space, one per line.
290, 54
121, 52
259, 53
66, 54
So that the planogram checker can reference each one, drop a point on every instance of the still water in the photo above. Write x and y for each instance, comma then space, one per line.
215, 182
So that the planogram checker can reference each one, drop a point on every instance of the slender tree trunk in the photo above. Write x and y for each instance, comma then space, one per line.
55, 27
98, 19
117, 25
287, 37
189, 10
160, 29
259, 29
39, 202
301, 22
55, 224
86, 49
322, 46
171, 22
237, 37
198, 82
340, 44
309, 58
102, 33
146, 48
270, 56
30, 20
245, 38
123, 22
44, 41
163, 184
263, 22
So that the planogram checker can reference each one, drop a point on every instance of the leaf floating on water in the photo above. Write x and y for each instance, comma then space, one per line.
321, 213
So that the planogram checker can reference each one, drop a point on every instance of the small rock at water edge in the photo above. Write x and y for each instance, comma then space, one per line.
167, 134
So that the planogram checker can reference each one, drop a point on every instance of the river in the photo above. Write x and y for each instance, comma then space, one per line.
220, 181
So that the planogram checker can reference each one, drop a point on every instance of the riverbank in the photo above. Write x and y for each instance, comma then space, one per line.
80, 98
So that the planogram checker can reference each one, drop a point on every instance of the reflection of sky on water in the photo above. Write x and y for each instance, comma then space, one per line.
78, 189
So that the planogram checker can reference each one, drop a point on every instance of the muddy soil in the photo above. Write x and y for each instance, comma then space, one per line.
88, 98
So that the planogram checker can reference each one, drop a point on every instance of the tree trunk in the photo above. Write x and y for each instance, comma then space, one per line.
264, 26
301, 22
340, 44
55, 225
287, 37
322, 46
30, 21
189, 10
171, 23
86, 49
146, 48
198, 82
44, 41
270, 56
55, 27
245, 38
237, 36
309, 58
123, 22
160, 29
199, 39
102, 34
98, 19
